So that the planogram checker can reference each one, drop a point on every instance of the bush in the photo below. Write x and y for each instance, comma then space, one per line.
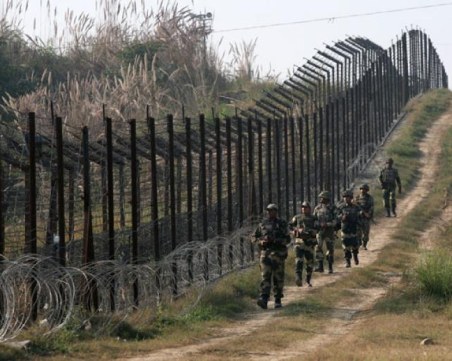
434, 274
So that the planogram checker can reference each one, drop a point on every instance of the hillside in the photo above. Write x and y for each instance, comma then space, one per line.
305, 330
381, 309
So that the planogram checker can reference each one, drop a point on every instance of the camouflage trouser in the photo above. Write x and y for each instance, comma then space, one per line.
363, 232
350, 244
304, 252
272, 269
329, 243
389, 198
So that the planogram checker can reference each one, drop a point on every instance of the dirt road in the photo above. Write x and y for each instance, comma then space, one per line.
344, 322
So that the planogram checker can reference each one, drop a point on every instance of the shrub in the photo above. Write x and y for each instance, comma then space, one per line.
434, 274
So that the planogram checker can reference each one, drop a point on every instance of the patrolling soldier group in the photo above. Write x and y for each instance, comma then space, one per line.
314, 231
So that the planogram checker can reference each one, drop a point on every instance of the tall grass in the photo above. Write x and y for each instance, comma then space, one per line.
128, 56
434, 273
131, 57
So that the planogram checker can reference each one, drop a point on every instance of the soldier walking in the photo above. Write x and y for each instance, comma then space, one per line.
304, 228
272, 235
389, 180
348, 215
326, 216
366, 202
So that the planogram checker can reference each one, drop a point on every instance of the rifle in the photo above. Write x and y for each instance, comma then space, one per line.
267, 240
301, 233
369, 218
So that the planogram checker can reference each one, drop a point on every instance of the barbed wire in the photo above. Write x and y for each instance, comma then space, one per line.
38, 288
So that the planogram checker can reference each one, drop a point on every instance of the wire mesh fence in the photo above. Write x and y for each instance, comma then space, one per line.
132, 215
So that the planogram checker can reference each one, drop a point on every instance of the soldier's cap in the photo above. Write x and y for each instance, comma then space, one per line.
364, 186
390, 160
305, 204
325, 194
347, 194
272, 206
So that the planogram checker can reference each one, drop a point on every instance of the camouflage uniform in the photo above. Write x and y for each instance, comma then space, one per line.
304, 227
348, 214
326, 215
389, 180
273, 236
366, 202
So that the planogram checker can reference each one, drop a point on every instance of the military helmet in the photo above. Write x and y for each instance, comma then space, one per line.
325, 194
390, 161
305, 204
347, 193
272, 206
364, 186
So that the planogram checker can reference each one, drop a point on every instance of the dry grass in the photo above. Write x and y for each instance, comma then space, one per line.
130, 57
393, 337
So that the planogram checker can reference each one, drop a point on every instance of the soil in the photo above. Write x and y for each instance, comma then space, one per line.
344, 318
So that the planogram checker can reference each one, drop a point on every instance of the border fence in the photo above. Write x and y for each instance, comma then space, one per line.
143, 211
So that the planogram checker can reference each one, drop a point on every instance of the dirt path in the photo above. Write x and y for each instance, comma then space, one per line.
344, 319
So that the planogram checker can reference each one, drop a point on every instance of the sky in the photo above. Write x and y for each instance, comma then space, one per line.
280, 49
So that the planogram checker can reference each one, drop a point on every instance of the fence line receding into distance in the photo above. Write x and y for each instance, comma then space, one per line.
119, 221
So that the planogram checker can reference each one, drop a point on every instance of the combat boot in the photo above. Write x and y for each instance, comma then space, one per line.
388, 212
262, 302
330, 267
308, 279
347, 263
298, 279
319, 267
355, 258
278, 303
330, 263
394, 212
365, 246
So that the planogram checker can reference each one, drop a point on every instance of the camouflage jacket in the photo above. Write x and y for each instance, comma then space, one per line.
366, 203
272, 235
326, 215
349, 215
304, 227
389, 178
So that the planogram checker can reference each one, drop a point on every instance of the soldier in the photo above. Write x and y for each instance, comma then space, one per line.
366, 202
304, 228
389, 179
348, 214
272, 235
326, 215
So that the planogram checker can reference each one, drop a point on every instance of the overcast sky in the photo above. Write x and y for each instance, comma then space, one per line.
281, 47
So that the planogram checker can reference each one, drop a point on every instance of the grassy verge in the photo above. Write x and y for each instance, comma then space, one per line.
422, 114
175, 325
420, 306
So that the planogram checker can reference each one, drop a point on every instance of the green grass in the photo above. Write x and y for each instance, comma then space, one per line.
59, 342
427, 284
434, 274
422, 114
9, 354
232, 295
